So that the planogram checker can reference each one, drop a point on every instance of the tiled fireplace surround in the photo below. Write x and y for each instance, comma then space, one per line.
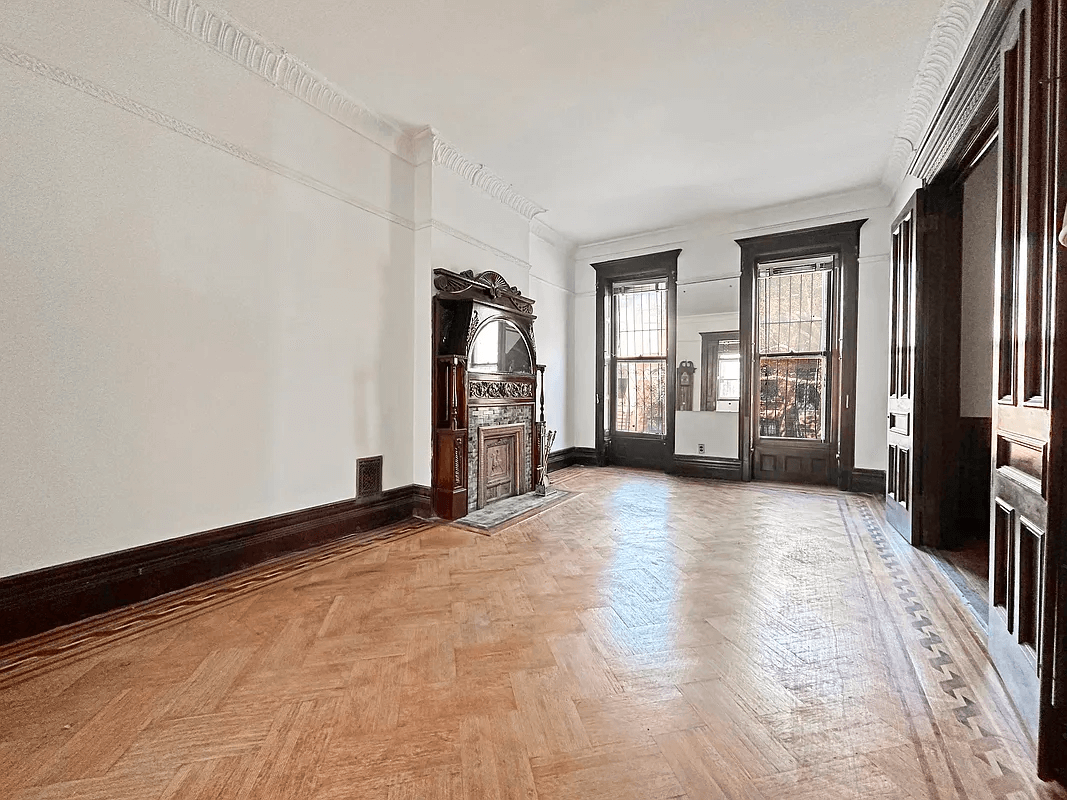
497, 415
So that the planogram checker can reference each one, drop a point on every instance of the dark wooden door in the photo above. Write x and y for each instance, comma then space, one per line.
922, 425
1028, 573
900, 470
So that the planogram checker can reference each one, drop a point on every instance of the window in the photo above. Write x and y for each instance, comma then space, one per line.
720, 363
640, 313
793, 347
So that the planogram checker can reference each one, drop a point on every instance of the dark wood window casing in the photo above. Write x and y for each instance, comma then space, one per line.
841, 241
629, 449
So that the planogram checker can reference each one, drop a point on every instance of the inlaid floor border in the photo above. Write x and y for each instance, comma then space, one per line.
940, 663
30, 657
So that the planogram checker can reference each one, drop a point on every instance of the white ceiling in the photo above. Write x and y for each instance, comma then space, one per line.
627, 116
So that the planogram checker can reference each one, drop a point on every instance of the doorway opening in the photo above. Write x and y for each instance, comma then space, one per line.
963, 552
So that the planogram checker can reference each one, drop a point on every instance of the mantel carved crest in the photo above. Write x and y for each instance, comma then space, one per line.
488, 285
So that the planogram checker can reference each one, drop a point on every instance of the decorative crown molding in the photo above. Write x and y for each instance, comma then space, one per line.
948, 40
542, 230
273, 64
477, 175
128, 104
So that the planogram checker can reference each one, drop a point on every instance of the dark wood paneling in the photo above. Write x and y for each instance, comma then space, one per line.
450, 489
1028, 630
723, 469
33, 602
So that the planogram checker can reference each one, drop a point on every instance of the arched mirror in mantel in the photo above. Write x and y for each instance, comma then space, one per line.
500, 347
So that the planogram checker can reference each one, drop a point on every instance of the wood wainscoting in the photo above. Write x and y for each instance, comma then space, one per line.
38, 601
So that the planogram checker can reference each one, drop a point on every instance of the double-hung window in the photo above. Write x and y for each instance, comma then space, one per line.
793, 347
639, 309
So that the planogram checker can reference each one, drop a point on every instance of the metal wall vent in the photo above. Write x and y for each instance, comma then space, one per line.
369, 476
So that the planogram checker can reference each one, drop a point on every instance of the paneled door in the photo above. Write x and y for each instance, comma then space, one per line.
900, 470
923, 408
1028, 573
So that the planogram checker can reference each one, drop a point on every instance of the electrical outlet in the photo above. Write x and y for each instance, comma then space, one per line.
700, 448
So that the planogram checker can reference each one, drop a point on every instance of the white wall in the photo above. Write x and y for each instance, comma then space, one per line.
709, 251
551, 279
197, 331
976, 328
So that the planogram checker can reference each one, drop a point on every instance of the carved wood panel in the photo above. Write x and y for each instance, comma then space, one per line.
501, 462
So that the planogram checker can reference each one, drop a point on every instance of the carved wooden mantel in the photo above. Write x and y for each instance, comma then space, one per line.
466, 306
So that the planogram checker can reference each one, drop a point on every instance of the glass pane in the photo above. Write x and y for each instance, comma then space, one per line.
499, 347
792, 398
792, 312
641, 397
641, 319
729, 378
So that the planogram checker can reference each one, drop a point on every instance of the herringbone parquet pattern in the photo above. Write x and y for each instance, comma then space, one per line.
650, 637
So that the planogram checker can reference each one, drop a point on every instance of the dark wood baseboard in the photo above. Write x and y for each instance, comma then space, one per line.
572, 456
868, 481
723, 469
38, 601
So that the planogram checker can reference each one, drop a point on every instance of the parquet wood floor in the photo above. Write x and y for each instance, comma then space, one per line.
650, 637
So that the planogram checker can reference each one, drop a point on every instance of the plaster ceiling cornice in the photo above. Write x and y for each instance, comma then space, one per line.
948, 40
274, 64
425, 144
240, 44
480, 177
546, 232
